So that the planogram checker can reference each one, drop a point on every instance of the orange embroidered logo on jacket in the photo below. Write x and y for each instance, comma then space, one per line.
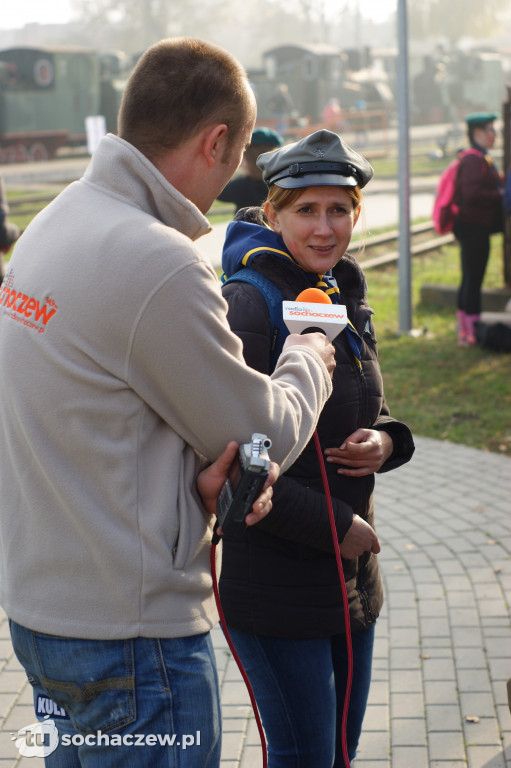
26, 309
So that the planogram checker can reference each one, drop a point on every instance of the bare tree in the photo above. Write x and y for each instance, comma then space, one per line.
139, 24
454, 19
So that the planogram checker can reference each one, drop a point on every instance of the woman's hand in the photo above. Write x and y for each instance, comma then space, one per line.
360, 538
362, 453
211, 480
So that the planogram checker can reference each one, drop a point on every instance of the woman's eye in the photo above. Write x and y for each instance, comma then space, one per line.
338, 210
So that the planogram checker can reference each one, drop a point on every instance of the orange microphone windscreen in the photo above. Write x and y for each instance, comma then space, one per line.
314, 296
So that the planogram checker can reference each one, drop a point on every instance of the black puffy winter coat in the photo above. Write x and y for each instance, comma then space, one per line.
281, 578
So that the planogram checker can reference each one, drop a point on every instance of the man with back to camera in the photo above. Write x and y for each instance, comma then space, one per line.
120, 379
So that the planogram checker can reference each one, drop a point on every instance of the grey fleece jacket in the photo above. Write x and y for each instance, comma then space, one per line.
119, 375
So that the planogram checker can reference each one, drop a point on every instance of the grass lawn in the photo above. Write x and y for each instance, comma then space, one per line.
439, 389
421, 164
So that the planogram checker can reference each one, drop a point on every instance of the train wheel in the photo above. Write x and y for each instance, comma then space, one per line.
16, 153
38, 152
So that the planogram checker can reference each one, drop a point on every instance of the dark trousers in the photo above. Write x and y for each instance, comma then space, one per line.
475, 250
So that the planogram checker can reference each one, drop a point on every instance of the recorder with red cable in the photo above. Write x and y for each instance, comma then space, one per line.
246, 479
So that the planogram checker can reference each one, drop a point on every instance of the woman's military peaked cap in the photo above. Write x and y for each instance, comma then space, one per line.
321, 159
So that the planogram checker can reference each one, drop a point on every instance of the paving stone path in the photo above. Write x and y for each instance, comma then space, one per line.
443, 645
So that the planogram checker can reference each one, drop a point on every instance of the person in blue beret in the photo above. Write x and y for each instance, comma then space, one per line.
249, 189
479, 197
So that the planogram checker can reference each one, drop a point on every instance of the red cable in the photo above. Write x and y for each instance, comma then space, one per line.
346, 621
236, 657
344, 598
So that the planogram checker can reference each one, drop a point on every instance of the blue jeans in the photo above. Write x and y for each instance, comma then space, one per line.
138, 703
300, 686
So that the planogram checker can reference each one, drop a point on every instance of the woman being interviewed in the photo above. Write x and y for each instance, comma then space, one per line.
279, 583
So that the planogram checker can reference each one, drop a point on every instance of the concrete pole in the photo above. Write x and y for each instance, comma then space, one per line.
405, 279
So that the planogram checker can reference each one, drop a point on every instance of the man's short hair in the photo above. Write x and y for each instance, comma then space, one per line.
178, 87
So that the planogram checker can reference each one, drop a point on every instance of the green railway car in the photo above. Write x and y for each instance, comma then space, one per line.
45, 96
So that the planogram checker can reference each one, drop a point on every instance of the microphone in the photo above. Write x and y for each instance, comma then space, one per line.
314, 296
305, 315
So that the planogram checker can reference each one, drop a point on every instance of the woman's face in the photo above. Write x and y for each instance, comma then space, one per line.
317, 227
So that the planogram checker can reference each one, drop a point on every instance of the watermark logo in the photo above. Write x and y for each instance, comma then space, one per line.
42, 739
37, 740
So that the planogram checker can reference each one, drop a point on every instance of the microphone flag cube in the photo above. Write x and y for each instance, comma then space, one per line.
300, 317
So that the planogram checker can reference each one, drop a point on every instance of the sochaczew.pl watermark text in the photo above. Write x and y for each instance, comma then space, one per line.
41, 739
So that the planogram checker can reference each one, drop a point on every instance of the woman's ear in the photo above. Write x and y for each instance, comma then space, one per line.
272, 216
356, 214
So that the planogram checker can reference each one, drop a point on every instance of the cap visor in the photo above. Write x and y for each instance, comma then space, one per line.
316, 180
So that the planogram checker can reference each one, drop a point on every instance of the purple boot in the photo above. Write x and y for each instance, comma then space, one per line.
462, 327
470, 321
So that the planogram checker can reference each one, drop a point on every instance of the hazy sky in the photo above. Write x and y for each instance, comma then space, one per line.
17, 13
21, 12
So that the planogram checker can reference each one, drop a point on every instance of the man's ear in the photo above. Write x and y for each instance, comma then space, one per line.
213, 143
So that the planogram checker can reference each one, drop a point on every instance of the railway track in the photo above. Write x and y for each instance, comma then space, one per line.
425, 241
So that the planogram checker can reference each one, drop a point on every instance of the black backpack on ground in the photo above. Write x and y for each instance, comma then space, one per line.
494, 336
